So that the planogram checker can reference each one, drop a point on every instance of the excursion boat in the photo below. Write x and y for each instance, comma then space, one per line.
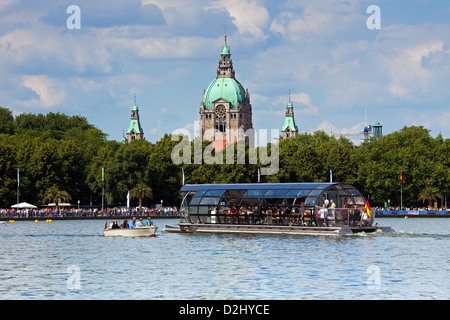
144, 231
329, 209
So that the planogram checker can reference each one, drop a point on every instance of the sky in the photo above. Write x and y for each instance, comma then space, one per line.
339, 71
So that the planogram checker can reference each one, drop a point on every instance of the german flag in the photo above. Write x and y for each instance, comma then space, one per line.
401, 177
367, 207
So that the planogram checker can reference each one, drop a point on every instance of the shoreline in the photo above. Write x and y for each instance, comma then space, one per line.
111, 217
412, 215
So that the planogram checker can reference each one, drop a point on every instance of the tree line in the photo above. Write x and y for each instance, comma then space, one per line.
55, 152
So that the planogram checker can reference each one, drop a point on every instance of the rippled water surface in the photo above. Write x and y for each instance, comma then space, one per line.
45, 260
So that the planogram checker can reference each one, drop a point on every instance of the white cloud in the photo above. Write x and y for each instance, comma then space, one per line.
4, 4
46, 49
166, 48
47, 90
292, 25
407, 71
303, 99
248, 16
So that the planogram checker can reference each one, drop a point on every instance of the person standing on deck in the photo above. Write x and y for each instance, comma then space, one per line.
324, 214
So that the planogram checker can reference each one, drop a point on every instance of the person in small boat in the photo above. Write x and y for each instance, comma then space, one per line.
132, 223
115, 225
149, 222
125, 224
140, 223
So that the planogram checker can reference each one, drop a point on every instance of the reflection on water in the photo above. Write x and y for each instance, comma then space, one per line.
412, 263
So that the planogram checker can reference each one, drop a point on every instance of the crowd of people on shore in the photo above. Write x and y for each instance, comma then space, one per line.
86, 213
408, 210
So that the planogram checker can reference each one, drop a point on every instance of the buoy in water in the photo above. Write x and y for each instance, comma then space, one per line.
11, 221
36, 221
406, 217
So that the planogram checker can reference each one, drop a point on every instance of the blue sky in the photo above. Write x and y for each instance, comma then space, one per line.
167, 51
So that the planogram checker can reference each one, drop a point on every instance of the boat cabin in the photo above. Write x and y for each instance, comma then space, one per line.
274, 203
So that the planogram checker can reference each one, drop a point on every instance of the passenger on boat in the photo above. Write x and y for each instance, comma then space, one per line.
133, 223
125, 224
140, 223
149, 222
332, 204
233, 212
324, 215
345, 204
356, 216
115, 225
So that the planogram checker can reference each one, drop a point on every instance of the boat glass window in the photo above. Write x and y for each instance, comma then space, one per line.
193, 210
315, 192
274, 201
199, 193
310, 201
214, 193
254, 193
209, 200
195, 200
359, 201
275, 193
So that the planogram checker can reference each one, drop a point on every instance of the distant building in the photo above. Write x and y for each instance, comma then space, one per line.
289, 128
134, 131
377, 130
225, 110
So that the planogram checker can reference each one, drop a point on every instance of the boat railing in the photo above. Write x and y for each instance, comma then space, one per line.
304, 215
353, 217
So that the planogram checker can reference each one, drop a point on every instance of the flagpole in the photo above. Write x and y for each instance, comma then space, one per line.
103, 187
17, 186
401, 190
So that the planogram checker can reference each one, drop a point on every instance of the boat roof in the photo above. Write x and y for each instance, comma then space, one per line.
266, 186
270, 189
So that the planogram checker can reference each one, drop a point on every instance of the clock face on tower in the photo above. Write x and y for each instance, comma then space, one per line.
220, 110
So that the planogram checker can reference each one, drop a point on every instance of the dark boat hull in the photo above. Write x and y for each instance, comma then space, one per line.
272, 229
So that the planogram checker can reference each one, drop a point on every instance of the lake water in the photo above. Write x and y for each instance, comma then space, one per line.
72, 260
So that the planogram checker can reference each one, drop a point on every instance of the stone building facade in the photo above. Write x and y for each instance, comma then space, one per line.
225, 110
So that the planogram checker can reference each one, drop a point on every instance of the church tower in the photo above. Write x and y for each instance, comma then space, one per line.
134, 131
289, 128
225, 110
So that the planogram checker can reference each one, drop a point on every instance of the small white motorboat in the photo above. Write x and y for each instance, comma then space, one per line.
145, 231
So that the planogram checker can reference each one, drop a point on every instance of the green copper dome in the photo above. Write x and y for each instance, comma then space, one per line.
228, 89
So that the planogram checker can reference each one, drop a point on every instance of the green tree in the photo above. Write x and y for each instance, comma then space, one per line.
8, 177
141, 191
430, 194
412, 151
6, 121
56, 196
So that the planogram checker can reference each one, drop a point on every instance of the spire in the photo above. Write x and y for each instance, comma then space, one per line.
289, 128
134, 129
225, 69
135, 107
289, 104
225, 49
